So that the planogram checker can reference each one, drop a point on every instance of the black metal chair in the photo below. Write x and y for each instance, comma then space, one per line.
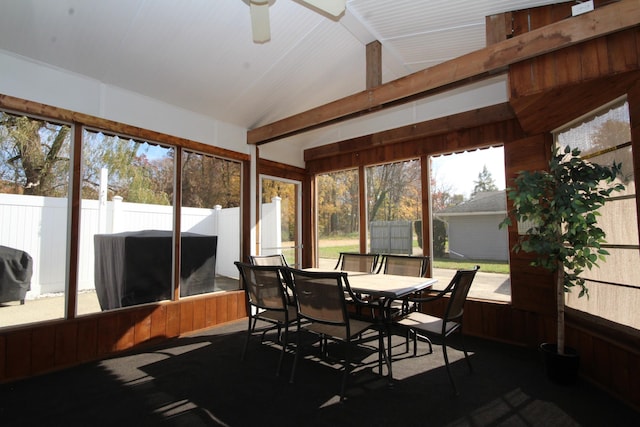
274, 260
353, 261
267, 301
277, 259
424, 325
322, 304
404, 265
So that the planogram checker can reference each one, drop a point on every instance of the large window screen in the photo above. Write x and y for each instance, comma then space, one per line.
468, 202
394, 208
614, 292
34, 209
211, 209
338, 215
126, 223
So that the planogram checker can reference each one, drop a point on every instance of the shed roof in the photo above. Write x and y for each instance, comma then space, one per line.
482, 202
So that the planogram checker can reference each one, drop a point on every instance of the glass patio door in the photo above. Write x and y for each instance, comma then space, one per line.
280, 218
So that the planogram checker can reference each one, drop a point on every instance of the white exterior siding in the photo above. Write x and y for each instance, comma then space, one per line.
478, 237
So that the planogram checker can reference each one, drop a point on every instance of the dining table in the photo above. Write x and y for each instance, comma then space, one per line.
384, 288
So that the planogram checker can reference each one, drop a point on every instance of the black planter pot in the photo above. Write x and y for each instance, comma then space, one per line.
561, 368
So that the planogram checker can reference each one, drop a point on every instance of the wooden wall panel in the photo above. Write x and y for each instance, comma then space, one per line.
3, 357
186, 317
211, 311
142, 325
633, 394
609, 354
532, 289
66, 344
107, 334
453, 141
19, 353
199, 315
43, 342
87, 340
232, 309
159, 322
592, 60
173, 320
499, 321
125, 327
623, 52
61, 343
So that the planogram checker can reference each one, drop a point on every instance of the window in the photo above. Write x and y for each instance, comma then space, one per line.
604, 137
338, 215
126, 224
127, 216
211, 209
394, 208
279, 224
34, 209
468, 202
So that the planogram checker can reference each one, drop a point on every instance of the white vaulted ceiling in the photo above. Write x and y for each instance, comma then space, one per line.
199, 54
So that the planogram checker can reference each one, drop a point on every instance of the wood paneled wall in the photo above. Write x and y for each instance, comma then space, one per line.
35, 349
593, 72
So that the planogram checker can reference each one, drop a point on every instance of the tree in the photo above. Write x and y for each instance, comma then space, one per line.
35, 156
393, 191
34, 160
208, 181
131, 174
338, 211
485, 182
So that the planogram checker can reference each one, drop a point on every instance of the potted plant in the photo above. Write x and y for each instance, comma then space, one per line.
560, 207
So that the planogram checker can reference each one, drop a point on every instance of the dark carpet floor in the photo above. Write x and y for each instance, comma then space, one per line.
199, 380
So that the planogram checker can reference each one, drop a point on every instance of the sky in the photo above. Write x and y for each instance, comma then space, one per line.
461, 170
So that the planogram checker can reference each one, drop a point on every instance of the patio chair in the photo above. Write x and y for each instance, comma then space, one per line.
322, 306
277, 259
404, 265
267, 301
274, 260
353, 261
425, 326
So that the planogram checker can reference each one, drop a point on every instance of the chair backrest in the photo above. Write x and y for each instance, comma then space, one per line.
320, 296
277, 259
263, 285
352, 261
460, 285
403, 265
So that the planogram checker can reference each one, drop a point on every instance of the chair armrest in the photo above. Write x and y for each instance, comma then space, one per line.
433, 295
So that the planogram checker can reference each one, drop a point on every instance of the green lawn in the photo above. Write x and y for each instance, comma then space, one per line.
486, 266
334, 251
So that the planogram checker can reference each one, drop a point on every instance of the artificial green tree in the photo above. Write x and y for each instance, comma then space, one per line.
562, 206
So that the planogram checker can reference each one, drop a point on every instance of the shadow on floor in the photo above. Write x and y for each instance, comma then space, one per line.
199, 380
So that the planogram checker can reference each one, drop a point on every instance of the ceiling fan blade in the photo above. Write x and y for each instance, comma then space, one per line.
260, 21
332, 7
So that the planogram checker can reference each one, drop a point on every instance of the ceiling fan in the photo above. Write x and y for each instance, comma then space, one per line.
260, 14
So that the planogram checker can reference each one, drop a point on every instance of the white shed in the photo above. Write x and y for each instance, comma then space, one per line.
472, 227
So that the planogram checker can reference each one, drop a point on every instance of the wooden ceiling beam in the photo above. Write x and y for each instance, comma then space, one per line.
457, 72
422, 130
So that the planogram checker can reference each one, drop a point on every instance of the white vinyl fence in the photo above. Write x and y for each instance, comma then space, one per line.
38, 226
